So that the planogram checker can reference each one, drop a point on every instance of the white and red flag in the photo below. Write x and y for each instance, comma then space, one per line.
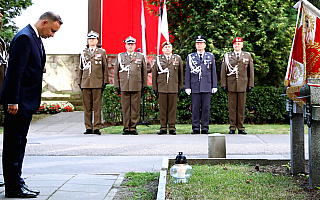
143, 32
163, 30
304, 57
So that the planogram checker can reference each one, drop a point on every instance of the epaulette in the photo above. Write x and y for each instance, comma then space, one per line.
246, 52
139, 53
177, 55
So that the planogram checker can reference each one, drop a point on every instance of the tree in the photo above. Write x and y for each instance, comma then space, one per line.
11, 9
267, 27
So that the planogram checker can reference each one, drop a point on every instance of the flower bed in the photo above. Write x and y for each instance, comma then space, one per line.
53, 108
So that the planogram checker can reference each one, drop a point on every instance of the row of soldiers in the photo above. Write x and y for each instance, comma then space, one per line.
130, 80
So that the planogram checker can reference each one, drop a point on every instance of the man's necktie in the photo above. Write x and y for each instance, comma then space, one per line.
130, 56
238, 56
200, 56
41, 46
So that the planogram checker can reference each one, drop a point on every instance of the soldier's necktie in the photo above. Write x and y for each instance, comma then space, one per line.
238, 56
200, 56
130, 56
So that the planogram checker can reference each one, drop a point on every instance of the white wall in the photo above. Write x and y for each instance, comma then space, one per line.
72, 36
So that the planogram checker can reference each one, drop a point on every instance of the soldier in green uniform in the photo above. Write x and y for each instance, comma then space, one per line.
130, 78
93, 78
167, 82
237, 78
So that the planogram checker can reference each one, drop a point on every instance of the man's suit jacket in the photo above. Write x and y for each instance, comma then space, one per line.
99, 69
175, 81
208, 78
23, 81
245, 75
137, 76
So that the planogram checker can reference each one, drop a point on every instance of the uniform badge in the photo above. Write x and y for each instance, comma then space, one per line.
98, 55
245, 59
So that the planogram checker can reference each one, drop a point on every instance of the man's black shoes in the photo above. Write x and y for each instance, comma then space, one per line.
195, 132
172, 132
129, 132
232, 132
162, 132
242, 132
88, 131
30, 190
97, 132
134, 132
205, 132
20, 193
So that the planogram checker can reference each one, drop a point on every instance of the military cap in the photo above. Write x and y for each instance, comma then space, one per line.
200, 38
237, 39
92, 35
166, 43
130, 40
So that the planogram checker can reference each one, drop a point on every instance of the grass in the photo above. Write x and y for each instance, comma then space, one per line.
233, 182
214, 128
141, 185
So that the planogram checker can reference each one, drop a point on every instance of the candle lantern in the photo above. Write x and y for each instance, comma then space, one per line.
181, 171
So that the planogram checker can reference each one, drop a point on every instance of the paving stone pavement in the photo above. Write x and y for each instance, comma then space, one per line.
63, 163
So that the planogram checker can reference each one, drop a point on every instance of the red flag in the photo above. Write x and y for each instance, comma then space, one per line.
304, 60
163, 30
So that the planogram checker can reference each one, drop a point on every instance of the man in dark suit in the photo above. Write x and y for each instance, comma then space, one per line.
21, 95
200, 82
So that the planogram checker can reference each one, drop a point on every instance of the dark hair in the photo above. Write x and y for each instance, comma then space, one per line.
51, 16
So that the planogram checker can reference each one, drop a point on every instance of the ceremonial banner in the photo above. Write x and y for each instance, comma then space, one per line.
304, 57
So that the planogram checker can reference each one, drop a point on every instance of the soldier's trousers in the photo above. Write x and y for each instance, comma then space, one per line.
92, 98
168, 110
200, 107
130, 103
236, 104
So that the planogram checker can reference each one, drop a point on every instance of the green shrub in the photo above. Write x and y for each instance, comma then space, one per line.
264, 105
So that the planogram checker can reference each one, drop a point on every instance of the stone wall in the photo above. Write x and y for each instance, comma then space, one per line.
61, 73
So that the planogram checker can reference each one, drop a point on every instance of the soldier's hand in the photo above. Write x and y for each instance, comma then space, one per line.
249, 89
80, 87
118, 90
188, 91
179, 91
225, 89
214, 90
156, 93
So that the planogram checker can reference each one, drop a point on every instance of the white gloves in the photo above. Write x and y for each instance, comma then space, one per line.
214, 90
188, 91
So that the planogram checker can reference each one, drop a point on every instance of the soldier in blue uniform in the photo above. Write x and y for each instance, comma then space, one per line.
200, 82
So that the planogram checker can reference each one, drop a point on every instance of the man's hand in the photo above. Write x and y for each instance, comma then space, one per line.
188, 91
225, 89
214, 90
13, 109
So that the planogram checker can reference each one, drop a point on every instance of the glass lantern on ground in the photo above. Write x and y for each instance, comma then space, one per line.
181, 171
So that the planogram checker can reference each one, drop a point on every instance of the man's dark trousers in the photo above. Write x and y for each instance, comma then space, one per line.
14, 143
200, 107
